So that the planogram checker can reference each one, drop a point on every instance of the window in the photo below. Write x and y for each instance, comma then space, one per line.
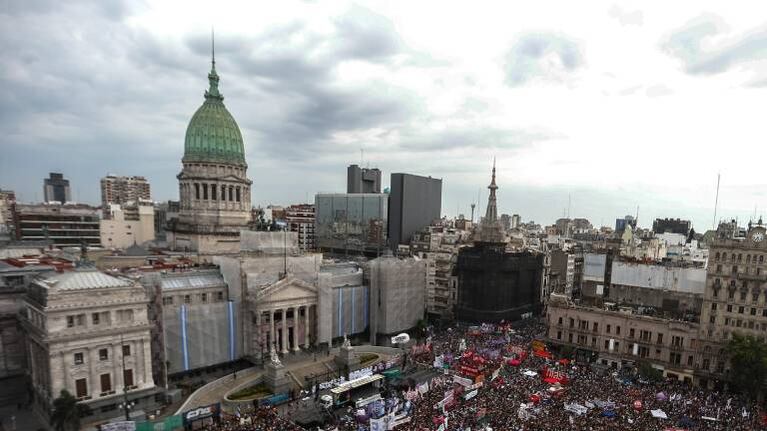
79, 358
716, 256
128, 378
761, 258
70, 321
204, 297
223, 193
734, 269
572, 322
237, 194
706, 364
559, 335
559, 322
81, 388
753, 311
607, 344
677, 341
743, 296
220, 296
106, 383
741, 309
103, 354
750, 324
719, 268
596, 327
618, 330
755, 297
608, 329
731, 295
569, 338
713, 306
125, 315
95, 318
126, 349
594, 341
187, 299
675, 358
729, 308
204, 191
712, 319
196, 191
739, 323
231, 193
631, 333
167, 300
213, 189
689, 361
764, 312
660, 338
748, 258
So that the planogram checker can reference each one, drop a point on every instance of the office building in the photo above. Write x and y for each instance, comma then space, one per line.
300, 219
397, 295
351, 223
516, 221
363, 180
214, 187
122, 191
415, 203
64, 225
56, 188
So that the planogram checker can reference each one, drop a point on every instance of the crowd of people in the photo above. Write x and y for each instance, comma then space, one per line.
503, 389
261, 419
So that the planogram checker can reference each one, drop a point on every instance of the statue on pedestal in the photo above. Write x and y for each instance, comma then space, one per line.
347, 344
274, 357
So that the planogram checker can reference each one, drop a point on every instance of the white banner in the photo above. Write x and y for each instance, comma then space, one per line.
119, 426
462, 381
469, 395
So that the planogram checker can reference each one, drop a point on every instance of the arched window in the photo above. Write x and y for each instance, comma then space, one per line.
231, 193
237, 194
716, 256
197, 191
223, 193
213, 189
205, 191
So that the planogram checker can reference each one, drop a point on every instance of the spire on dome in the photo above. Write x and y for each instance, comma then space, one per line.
490, 230
491, 216
212, 92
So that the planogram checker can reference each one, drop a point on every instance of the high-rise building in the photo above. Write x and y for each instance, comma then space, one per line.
214, 187
7, 199
363, 180
516, 220
300, 219
123, 190
353, 223
56, 188
415, 202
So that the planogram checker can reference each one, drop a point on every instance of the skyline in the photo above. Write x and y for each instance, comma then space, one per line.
310, 85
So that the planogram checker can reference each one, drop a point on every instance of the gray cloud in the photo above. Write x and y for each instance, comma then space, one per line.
687, 44
524, 60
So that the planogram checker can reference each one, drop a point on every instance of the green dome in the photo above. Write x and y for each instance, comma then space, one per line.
212, 134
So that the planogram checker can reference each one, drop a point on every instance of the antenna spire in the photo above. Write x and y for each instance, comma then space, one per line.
213, 47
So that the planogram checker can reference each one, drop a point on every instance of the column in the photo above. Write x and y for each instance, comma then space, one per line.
295, 329
146, 348
65, 373
284, 331
272, 339
260, 335
306, 326
95, 381
117, 351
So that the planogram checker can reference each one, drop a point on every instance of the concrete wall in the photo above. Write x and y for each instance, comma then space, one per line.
687, 280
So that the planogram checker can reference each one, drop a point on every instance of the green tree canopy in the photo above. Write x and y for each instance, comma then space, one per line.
67, 412
748, 361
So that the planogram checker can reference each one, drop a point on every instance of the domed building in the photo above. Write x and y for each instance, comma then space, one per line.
214, 189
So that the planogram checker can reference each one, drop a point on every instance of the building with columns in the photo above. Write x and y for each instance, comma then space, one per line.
214, 188
285, 313
88, 333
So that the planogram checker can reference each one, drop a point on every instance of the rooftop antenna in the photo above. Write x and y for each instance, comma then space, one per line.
569, 202
636, 219
716, 201
213, 47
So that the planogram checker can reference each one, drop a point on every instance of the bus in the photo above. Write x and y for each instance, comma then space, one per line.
356, 389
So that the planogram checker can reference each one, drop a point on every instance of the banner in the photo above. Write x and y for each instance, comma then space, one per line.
469, 395
119, 426
201, 413
171, 423
495, 374
462, 381
438, 362
538, 345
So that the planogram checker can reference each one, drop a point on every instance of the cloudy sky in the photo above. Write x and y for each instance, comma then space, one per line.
612, 105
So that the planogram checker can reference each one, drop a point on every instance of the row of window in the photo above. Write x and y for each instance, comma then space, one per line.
646, 336
737, 258
740, 310
79, 357
204, 192
100, 318
200, 297
81, 385
743, 295
641, 351
735, 269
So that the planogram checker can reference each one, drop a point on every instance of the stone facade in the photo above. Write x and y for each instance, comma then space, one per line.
88, 333
617, 337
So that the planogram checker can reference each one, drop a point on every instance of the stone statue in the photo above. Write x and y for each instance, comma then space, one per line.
347, 344
275, 358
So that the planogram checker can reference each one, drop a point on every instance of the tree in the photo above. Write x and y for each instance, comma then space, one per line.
67, 412
748, 364
650, 373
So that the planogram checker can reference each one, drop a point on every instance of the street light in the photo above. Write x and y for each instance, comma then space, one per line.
127, 406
